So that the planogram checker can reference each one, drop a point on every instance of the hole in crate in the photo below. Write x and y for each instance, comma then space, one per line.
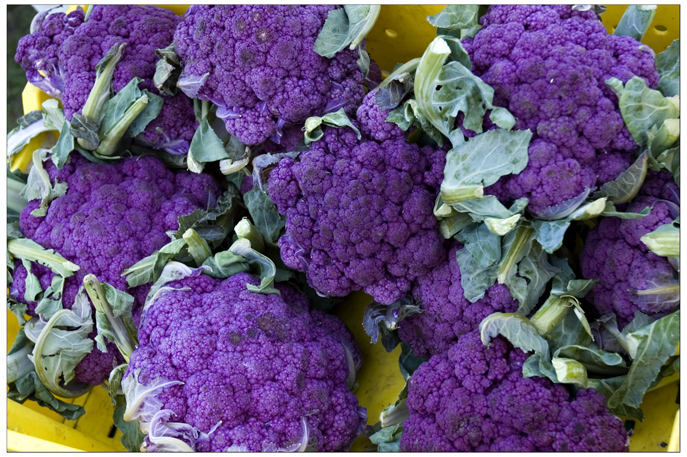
391, 33
629, 427
113, 432
661, 28
663, 444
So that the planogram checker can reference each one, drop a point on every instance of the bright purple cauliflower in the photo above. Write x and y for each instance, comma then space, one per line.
249, 371
66, 50
446, 313
474, 398
614, 254
359, 212
548, 66
111, 217
261, 68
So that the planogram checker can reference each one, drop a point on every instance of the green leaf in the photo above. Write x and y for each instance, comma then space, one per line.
455, 223
33, 286
345, 26
196, 246
39, 186
120, 103
517, 329
263, 263
167, 71
313, 129
136, 117
113, 316
132, 437
481, 161
264, 214
149, 268
534, 273
642, 107
205, 147
664, 240
408, 362
85, 130
655, 344
550, 234
455, 17
213, 224
537, 366
150, 112
225, 264
635, 21
52, 298
53, 116
459, 91
114, 382
65, 144
625, 187
28, 127
595, 360
30, 250
569, 371
670, 160
668, 66
96, 104
63, 342
502, 227
478, 260
611, 211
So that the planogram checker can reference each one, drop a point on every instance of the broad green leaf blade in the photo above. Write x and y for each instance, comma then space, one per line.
635, 21
53, 116
611, 211
481, 161
668, 66
206, 146
65, 144
114, 382
32, 285
478, 260
167, 71
642, 107
455, 17
534, 273
265, 216
536, 365
664, 241
39, 186
655, 343
120, 103
62, 344
132, 437
550, 234
345, 26
517, 329
625, 187
149, 268
313, 129
29, 126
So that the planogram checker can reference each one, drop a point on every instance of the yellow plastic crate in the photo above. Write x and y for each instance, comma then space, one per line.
403, 30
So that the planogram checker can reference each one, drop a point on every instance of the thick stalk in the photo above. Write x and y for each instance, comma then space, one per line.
663, 243
461, 194
246, 230
15, 202
19, 364
550, 314
109, 142
428, 70
124, 341
197, 246
522, 238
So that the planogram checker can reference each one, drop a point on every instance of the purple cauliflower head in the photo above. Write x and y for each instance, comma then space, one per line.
261, 67
254, 372
473, 398
446, 313
65, 50
548, 66
615, 255
111, 217
359, 213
